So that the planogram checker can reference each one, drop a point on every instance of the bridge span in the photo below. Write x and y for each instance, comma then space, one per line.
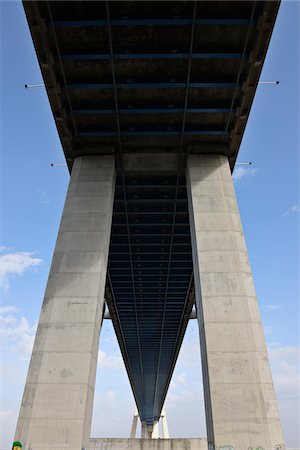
150, 100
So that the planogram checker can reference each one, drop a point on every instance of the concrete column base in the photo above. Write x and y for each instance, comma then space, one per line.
147, 444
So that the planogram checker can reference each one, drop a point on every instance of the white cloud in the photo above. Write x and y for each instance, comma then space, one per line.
178, 380
244, 172
285, 364
289, 353
8, 309
112, 415
8, 420
15, 264
294, 209
109, 361
271, 307
181, 378
43, 197
16, 334
268, 330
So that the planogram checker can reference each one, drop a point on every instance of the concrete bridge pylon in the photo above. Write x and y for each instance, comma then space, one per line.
153, 431
240, 403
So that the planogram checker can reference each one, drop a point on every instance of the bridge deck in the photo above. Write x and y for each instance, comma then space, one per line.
150, 276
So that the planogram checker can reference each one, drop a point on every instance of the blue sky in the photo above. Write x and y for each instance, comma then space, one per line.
32, 196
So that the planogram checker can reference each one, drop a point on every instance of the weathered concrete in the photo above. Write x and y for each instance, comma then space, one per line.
148, 444
240, 402
57, 404
150, 163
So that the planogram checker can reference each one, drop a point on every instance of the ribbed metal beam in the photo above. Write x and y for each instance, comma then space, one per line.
152, 133
125, 56
145, 22
150, 111
169, 85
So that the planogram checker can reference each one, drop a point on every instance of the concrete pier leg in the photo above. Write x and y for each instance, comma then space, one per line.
57, 404
165, 425
240, 403
146, 431
155, 430
134, 424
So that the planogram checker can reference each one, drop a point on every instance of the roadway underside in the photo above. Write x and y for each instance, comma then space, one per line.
150, 276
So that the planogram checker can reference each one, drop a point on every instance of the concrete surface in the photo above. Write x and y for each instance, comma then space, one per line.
241, 408
57, 404
148, 444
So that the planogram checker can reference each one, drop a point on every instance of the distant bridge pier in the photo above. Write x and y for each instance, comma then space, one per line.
146, 432
240, 403
151, 432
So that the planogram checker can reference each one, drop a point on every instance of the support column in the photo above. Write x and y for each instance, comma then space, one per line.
155, 430
146, 432
240, 403
134, 424
57, 404
165, 425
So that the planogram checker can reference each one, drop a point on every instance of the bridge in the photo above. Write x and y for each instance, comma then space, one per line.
150, 101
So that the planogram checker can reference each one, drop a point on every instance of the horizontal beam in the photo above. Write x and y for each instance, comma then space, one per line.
170, 85
154, 253
124, 56
153, 267
151, 213
150, 111
149, 234
193, 314
145, 22
150, 186
160, 225
152, 133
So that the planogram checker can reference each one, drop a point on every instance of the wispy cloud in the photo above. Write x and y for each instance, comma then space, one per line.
178, 380
113, 413
16, 334
271, 307
43, 197
109, 361
8, 418
294, 209
3, 248
285, 363
8, 309
241, 173
281, 354
15, 264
